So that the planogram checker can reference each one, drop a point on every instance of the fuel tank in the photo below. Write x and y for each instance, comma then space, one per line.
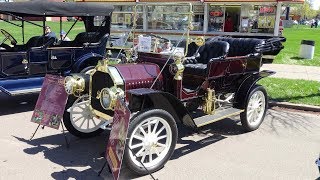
140, 75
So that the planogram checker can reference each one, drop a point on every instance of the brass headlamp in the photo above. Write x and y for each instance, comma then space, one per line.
109, 96
74, 85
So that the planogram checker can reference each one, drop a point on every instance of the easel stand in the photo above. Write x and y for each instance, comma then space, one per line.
32, 136
65, 136
63, 132
106, 163
135, 155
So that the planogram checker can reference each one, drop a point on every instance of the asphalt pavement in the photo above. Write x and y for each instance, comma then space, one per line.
285, 147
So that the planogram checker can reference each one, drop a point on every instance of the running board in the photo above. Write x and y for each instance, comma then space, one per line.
21, 92
14, 87
220, 114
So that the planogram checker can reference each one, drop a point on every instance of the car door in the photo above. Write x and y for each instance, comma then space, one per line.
14, 64
60, 58
38, 61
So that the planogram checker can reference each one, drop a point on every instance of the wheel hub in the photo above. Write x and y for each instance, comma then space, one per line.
150, 141
81, 116
256, 105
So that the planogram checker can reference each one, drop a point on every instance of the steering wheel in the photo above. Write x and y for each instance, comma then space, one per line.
9, 36
6, 47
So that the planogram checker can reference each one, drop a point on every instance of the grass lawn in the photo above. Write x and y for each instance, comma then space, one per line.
32, 30
294, 91
294, 36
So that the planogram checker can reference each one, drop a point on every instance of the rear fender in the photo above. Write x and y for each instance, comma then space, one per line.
140, 99
90, 59
246, 86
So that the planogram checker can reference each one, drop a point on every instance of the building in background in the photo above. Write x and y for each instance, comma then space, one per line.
247, 17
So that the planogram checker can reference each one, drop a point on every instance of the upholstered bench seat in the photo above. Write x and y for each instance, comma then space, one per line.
198, 69
212, 50
240, 46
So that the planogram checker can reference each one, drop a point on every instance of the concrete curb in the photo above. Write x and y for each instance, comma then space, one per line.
295, 106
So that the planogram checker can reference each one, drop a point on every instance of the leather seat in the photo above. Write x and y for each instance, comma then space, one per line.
32, 42
192, 48
196, 69
240, 46
86, 37
45, 41
212, 50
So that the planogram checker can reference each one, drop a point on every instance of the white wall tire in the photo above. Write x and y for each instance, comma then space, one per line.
152, 136
256, 108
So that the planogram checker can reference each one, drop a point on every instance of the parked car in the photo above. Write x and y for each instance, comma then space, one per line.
211, 80
23, 66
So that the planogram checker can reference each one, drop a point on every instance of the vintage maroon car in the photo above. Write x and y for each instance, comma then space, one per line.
163, 91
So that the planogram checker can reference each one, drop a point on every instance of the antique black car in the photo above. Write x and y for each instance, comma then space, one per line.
23, 66
208, 81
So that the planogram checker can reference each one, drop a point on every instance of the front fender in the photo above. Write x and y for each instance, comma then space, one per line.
246, 85
90, 59
144, 98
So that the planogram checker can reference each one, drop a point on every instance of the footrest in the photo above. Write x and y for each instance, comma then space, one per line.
220, 114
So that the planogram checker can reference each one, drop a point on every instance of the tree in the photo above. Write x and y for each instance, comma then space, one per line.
304, 10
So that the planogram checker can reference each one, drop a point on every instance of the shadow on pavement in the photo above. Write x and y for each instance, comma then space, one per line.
298, 122
86, 153
75, 174
89, 153
17, 104
212, 133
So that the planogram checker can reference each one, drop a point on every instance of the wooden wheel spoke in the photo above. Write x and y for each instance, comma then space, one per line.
160, 130
136, 145
138, 137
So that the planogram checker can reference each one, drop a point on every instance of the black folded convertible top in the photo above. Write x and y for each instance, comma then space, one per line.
58, 9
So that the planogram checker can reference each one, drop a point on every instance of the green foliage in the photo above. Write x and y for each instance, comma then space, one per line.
290, 53
304, 10
294, 91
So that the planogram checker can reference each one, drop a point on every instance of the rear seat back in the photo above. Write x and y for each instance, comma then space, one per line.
45, 40
86, 37
192, 48
209, 51
32, 42
240, 46
213, 49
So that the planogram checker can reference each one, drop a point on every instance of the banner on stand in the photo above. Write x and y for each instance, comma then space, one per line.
51, 102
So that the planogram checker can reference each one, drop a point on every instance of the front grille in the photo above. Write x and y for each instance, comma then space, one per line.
99, 81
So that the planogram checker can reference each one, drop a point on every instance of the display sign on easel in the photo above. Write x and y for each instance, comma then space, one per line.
144, 44
51, 103
117, 139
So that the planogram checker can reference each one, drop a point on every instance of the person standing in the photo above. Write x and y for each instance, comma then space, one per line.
312, 23
228, 25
